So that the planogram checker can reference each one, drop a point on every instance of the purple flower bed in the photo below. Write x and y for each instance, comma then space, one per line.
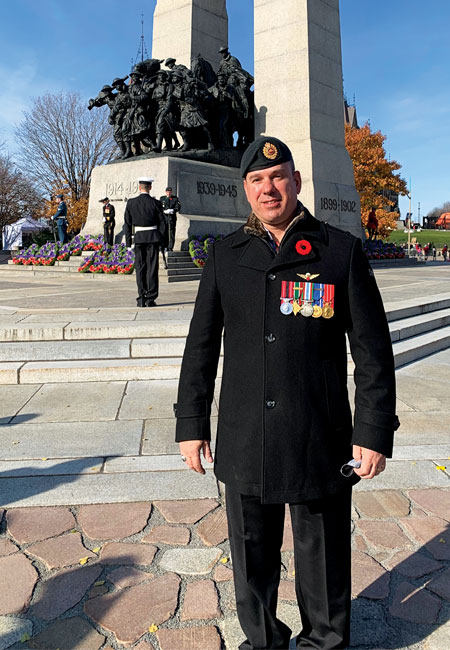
199, 246
115, 259
379, 250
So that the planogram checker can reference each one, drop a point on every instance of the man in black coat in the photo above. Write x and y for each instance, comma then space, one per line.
109, 221
286, 289
144, 215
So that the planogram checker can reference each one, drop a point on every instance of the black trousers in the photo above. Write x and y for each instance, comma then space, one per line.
146, 269
322, 531
171, 227
108, 233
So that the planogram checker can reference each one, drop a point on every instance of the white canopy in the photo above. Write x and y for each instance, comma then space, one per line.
12, 234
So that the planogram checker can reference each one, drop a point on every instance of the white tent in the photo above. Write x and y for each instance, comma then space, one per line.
12, 234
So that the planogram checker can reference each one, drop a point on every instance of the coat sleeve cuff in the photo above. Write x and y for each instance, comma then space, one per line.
193, 421
375, 430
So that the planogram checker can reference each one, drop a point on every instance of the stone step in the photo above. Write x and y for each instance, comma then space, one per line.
414, 307
415, 325
192, 270
421, 346
56, 272
48, 372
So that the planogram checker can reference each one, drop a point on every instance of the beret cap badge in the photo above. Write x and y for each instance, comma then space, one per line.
270, 151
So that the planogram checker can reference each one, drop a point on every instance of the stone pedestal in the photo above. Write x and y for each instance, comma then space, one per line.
299, 99
212, 196
184, 28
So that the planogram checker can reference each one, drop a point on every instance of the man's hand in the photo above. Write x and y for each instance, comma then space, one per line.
190, 449
372, 463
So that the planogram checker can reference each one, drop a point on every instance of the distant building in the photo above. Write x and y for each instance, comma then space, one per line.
350, 116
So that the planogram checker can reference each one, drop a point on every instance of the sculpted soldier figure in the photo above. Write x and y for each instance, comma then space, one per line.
122, 105
172, 65
225, 102
284, 290
136, 122
165, 121
192, 118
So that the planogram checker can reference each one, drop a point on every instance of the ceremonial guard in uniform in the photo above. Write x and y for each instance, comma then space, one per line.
284, 290
60, 217
109, 221
144, 215
171, 205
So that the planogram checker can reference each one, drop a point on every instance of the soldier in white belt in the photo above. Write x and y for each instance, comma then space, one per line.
145, 216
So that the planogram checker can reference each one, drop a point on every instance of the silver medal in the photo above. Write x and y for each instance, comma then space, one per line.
307, 309
286, 307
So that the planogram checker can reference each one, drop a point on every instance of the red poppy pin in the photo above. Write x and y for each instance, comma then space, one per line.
303, 247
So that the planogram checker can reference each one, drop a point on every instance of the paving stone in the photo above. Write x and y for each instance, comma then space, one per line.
441, 585
223, 574
178, 536
17, 579
12, 629
286, 590
433, 532
232, 632
368, 624
144, 645
60, 551
437, 502
414, 604
190, 561
14, 396
129, 614
62, 591
7, 547
439, 638
185, 512
193, 638
113, 520
412, 564
386, 534
359, 543
382, 503
74, 633
369, 579
288, 537
33, 524
214, 529
128, 576
405, 475
125, 553
201, 601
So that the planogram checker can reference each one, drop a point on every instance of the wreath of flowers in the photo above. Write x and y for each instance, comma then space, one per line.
303, 247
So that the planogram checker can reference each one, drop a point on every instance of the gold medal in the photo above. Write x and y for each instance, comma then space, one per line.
327, 311
317, 311
296, 307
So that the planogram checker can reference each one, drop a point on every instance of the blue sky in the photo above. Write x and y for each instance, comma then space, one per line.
396, 58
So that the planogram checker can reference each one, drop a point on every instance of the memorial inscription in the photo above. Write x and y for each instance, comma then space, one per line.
327, 203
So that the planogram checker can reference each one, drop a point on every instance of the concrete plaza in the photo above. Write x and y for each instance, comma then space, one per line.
107, 541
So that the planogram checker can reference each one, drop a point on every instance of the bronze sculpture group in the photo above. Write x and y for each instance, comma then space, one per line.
210, 110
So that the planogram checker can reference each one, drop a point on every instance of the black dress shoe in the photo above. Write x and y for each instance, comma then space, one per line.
151, 303
140, 302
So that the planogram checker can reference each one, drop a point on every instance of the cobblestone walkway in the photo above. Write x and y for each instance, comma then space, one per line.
158, 576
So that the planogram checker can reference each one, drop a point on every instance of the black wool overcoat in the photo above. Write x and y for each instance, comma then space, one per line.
285, 425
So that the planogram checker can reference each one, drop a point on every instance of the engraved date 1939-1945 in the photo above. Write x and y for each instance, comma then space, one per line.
335, 205
216, 189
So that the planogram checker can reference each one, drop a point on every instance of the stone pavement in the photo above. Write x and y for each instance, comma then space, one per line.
84, 572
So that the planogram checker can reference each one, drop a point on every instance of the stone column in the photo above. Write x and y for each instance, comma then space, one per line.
299, 99
184, 28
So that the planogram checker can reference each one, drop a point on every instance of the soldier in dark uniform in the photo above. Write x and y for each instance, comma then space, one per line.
171, 205
117, 116
144, 214
286, 289
109, 221
60, 217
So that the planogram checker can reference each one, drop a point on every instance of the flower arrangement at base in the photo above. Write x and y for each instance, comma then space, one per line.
63, 253
93, 243
376, 249
110, 260
199, 247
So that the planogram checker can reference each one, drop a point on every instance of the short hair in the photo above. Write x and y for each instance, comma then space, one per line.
145, 186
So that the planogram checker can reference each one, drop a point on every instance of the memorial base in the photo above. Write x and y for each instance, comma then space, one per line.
212, 196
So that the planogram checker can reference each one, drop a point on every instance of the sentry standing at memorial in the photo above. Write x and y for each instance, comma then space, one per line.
109, 221
285, 289
171, 205
144, 215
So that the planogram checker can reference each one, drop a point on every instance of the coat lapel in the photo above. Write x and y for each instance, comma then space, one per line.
256, 255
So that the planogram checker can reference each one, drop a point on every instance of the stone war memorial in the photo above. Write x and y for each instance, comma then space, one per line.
185, 116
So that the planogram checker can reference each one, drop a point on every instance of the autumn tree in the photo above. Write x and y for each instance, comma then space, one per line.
440, 209
375, 177
61, 143
18, 196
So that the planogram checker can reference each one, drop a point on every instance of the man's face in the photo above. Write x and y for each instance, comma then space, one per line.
272, 193
169, 193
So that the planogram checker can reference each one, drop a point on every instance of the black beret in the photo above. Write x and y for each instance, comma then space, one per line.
263, 153
168, 189
103, 200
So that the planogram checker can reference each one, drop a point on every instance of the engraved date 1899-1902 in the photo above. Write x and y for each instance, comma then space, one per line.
217, 189
335, 205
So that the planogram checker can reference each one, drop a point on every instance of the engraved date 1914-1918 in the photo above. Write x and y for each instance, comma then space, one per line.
334, 204
216, 189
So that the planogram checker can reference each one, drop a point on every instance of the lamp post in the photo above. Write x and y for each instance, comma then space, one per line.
409, 220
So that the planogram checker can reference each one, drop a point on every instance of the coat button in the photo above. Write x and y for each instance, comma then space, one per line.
270, 404
270, 338
271, 276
